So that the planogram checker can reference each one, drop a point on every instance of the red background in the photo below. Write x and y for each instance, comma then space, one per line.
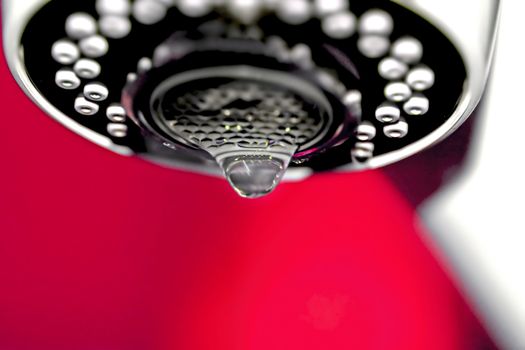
103, 252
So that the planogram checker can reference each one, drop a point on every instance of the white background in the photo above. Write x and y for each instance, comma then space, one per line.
479, 221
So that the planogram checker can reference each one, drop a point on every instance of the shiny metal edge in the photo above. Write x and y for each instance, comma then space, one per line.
15, 16
473, 88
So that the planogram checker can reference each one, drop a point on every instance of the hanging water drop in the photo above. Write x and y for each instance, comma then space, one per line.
255, 175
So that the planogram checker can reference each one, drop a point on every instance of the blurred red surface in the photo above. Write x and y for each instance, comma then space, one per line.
103, 252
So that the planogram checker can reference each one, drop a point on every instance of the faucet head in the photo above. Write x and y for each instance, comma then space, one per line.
255, 91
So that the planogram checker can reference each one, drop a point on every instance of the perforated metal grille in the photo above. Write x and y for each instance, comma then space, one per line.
245, 114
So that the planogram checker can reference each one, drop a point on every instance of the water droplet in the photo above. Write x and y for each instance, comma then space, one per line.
85, 107
194, 8
253, 169
254, 176
376, 22
398, 92
294, 11
80, 25
373, 46
144, 65
96, 91
417, 105
65, 52
67, 79
408, 50
117, 130
363, 151
392, 69
115, 27
421, 78
352, 98
339, 25
148, 11
87, 69
324, 7
388, 113
116, 113
366, 131
396, 131
94, 46
245, 11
